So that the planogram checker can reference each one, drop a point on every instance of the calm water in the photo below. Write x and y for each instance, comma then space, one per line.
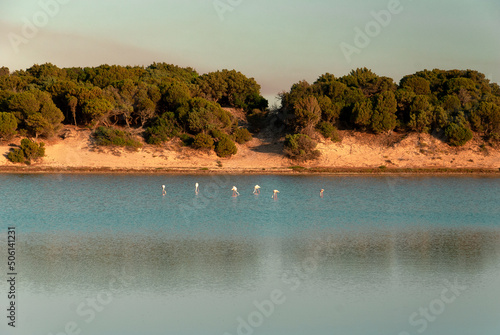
101, 254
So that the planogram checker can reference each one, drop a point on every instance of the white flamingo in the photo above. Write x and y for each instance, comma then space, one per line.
235, 191
275, 194
256, 189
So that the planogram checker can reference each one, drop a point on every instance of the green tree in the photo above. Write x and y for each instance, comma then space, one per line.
440, 119
330, 111
72, 103
384, 114
362, 113
8, 125
369, 83
486, 119
204, 116
95, 109
451, 103
231, 88
421, 114
416, 84
37, 124
307, 114
23, 104
36, 112
458, 134
4, 71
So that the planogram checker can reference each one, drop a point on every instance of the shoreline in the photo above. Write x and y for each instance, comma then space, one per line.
293, 170
356, 154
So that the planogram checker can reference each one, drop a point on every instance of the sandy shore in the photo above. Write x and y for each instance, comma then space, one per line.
356, 153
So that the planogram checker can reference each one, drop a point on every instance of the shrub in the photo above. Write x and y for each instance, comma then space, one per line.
328, 130
225, 147
203, 142
8, 125
458, 134
162, 130
257, 120
28, 151
186, 139
32, 150
217, 134
205, 115
300, 147
16, 156
242, 135
109, 137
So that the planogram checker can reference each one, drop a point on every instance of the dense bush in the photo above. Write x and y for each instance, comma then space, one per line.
458, 134
110, 136
204, 115
242, 135
225, 147
162, 129
203, 142
16, 156
8, 125
328, 130
186, 139
28, 151
300, 147
217, 134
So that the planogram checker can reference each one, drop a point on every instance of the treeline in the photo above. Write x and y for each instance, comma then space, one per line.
448, 104
164, 100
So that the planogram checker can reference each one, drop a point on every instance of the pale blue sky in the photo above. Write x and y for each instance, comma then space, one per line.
278, 42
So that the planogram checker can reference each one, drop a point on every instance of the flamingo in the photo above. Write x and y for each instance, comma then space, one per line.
235, 191
275, 194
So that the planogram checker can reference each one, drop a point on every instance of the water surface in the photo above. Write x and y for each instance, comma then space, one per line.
111, 255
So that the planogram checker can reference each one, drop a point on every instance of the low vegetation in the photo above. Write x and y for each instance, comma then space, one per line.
113, 137
225, 147
28, 151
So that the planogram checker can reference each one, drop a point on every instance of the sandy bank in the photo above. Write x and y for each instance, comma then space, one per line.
356, 153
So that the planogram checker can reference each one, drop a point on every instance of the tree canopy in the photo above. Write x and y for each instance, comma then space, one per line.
165, 101
449, 104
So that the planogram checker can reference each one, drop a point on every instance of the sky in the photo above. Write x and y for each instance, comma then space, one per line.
277, 42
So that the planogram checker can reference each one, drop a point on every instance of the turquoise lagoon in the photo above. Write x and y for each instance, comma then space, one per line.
108, 254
